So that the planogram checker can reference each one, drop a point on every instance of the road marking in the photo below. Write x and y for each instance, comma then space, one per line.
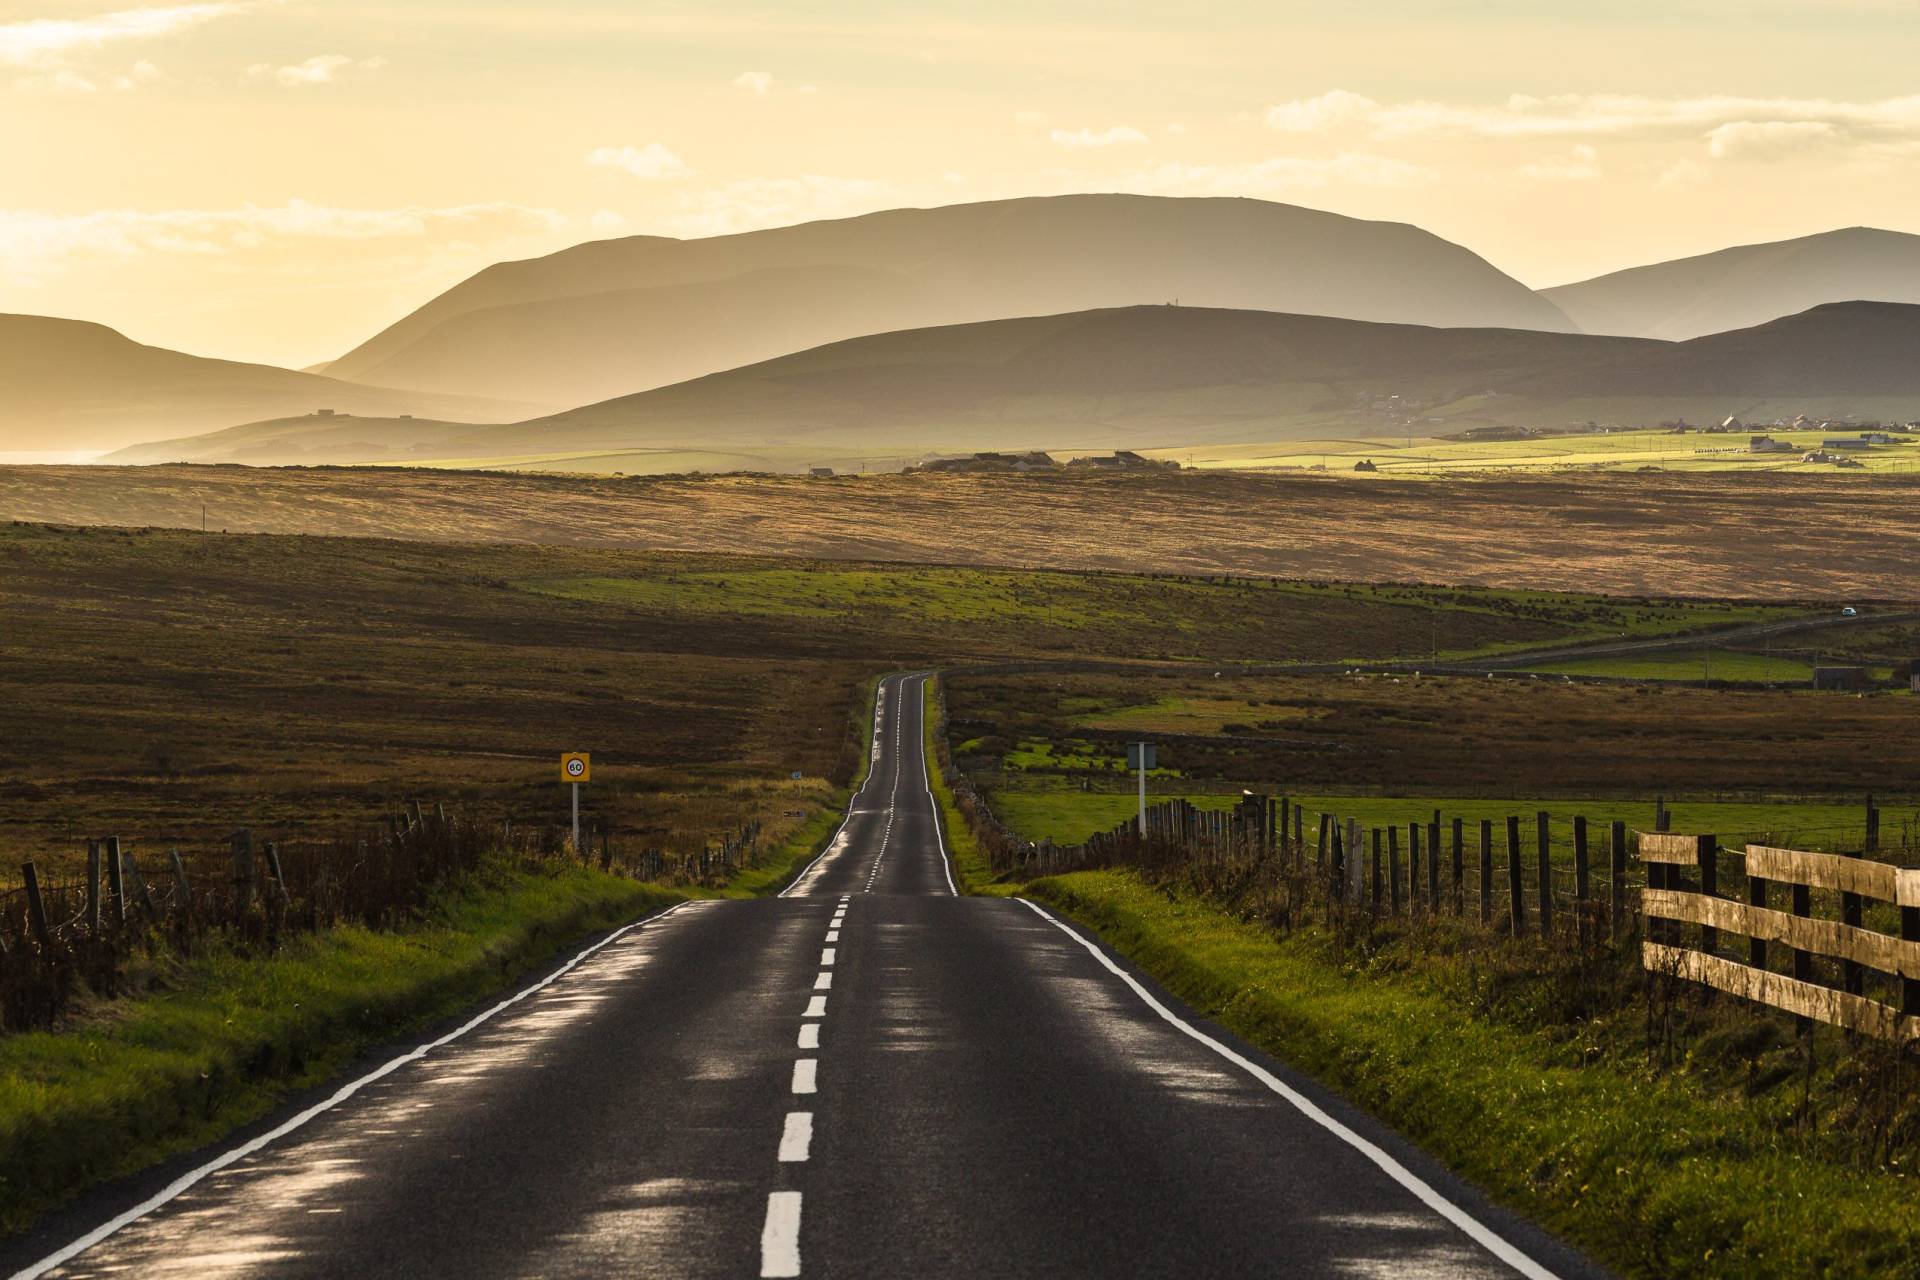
826, 955
189, 1179
816, 1008
805, 1075
809, 1035
823, 982
796, 1140
926, 779
879, 711
833, 935
1422, 1190
780, 1238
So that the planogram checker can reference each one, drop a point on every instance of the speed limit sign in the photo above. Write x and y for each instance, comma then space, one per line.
576, 766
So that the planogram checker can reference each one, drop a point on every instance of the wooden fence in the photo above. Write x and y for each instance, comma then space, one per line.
1686, 891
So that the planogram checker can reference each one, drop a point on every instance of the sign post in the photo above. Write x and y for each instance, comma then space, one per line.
1142, 756
576, 767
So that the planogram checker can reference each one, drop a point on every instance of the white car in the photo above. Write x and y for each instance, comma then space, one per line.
1849, 612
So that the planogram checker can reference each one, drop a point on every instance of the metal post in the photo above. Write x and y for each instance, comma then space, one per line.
576, 818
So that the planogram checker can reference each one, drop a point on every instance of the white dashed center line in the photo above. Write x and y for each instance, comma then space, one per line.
816, 1008
809, 1036
780, 1238
822, 982
826, 956
796, 1140
805, 1075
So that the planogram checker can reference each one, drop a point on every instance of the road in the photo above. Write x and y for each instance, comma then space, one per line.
869, 1076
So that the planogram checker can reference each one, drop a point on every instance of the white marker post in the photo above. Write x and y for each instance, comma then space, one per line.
576, 767
1142, 756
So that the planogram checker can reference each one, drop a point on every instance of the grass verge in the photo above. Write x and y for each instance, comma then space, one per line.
1636, 1168
232, 1035
963, 848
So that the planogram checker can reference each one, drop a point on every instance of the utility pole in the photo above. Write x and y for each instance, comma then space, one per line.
1141, 756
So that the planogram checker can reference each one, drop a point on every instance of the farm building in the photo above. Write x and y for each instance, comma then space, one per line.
1840, 677
1843, 442
1767, 444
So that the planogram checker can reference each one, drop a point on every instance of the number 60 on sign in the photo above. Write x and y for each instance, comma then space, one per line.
576, 766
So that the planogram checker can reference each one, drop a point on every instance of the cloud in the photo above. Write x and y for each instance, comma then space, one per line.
46, 43
608, 220
1581, 164
1770, 139
752, 203
1585, 115
653, 162
756, 82
322, 68
69, 80
1309, 115
1279, 174
35, 244
1117, 136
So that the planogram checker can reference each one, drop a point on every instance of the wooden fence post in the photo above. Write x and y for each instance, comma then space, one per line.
1617, 866
116, 877
1803, 959
1581, 883
1709, 887
1356, 863
93, 889
1433, 864
1910, 983
1320, 850
1331, 850
36, 908
1413, 867
1393, 865
1459, 866
1516, 895
1662, 820
1377, 887
1756, 897
1543, 843
1486, 871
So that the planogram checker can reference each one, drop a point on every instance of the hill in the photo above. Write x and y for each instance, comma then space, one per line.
1149, 377
618, 316
1748, 285
70, 384
1127, 376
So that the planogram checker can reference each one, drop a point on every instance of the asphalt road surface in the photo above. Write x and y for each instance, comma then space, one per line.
869, 1076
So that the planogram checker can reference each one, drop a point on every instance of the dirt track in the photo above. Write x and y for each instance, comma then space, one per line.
1810, 537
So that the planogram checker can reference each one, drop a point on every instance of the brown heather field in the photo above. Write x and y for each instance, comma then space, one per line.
169, 686
1822, 537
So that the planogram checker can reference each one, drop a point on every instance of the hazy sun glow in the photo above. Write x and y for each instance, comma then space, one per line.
277, 179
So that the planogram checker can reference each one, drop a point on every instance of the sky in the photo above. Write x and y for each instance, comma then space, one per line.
276, 180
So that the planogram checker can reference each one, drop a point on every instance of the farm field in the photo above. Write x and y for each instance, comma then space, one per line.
1767, 537
1413, 455
1738, 762
168, 687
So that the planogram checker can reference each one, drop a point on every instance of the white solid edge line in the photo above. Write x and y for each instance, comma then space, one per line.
926, 780
1422, 1190
796, 1138
187, 1180
780, 1237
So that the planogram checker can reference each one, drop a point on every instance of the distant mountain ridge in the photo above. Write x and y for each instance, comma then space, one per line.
1163, 377
613, 317
73, 384
1746, 285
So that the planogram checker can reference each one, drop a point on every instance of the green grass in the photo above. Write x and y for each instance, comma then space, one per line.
1643, 1169
232, 1035
1732, 665
1414, 456
970, 867
1067, 815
